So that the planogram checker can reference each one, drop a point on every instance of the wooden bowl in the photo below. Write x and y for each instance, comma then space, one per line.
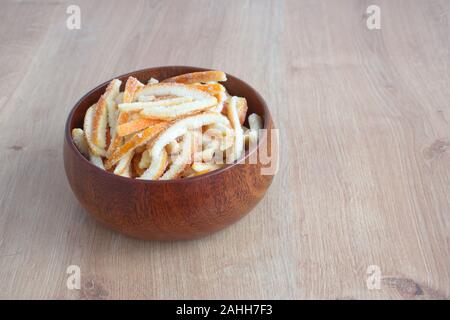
175, 209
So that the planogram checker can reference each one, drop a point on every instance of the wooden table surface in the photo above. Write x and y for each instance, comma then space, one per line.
364, 176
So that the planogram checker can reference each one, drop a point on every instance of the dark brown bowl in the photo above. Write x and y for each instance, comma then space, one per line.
175, 209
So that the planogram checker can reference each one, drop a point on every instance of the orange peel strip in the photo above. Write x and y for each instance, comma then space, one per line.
201, 76
173, 89
80, 141
160, 164
180, 110
180, 127
87, 128
182, 161
135, 141
138, 106
238, 145
241, 106
100, 118
255, 122
135, 126
131, 86
202, 168
123, 166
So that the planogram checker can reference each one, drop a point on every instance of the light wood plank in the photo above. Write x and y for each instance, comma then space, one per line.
364, 172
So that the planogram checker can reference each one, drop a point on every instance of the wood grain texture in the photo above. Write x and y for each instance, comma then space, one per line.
364, 123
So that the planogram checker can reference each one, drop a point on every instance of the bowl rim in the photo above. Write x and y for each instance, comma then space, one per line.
69, 141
